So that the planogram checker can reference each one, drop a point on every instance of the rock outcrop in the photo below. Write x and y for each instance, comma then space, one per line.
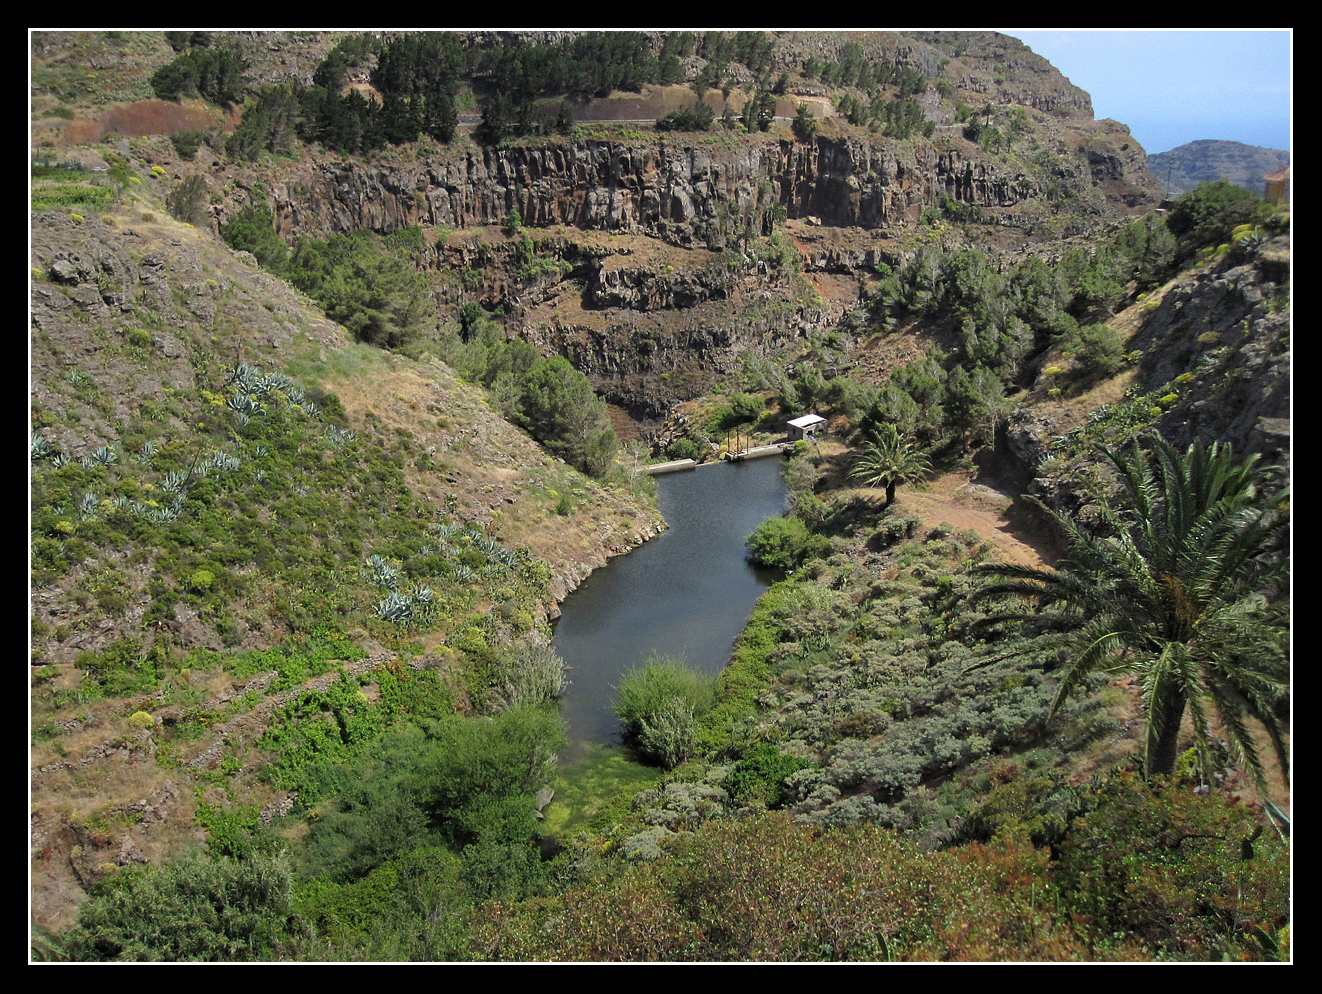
693, 193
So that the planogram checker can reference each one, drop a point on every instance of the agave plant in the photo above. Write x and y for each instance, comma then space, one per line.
395, 607
245, 403
174, 481
61, 459
383, 573
340, 437
146, 452
224, 461
424, 600
246, 377
87, 506
163, 515
276, 381
41, 448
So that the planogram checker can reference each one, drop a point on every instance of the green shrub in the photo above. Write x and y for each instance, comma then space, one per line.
533, 674
760, 775
682, 448
1195, 877
1207, 214
186, 143
669, 736
196, 910
187, 202
1101, 353
781, 543
659, 705
141, 719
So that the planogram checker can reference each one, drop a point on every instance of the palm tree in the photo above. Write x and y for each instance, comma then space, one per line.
1185, 592
887, 460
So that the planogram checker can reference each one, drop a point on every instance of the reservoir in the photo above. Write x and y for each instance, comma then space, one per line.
686, 593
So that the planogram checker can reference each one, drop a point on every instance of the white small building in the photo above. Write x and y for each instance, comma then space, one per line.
806, 427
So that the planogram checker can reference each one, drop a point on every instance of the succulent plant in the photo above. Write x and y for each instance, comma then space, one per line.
424, 601
146, 452
245, 403
395, 607
276, 381
224, 461
41, 448
340, 436
382, 572
246, 377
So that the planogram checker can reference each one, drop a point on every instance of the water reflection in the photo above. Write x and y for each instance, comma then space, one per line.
687, 593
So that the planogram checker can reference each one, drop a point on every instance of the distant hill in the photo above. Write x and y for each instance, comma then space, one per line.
1183, 168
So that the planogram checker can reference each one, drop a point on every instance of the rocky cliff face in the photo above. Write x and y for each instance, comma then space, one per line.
651, 332
690, 193
1214, 345
1222, 337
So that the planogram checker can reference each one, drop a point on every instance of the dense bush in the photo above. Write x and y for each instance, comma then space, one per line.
682, 448
195, 910
658, 705
759, 775
460, 782
699, 118
1195, 877
188, 201
781, 543
1207, 214
529, 674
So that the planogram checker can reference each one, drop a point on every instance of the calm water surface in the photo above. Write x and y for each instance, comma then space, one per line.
686, 593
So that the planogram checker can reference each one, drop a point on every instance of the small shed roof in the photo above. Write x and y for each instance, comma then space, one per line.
807, 421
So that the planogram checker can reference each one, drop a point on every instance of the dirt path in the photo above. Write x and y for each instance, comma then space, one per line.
990, 512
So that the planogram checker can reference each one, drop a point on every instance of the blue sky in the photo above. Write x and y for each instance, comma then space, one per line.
1173, 87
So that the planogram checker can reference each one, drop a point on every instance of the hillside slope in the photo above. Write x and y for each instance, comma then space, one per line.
276, 572
1183, 168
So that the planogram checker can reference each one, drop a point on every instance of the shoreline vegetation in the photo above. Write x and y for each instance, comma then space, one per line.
307, 485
